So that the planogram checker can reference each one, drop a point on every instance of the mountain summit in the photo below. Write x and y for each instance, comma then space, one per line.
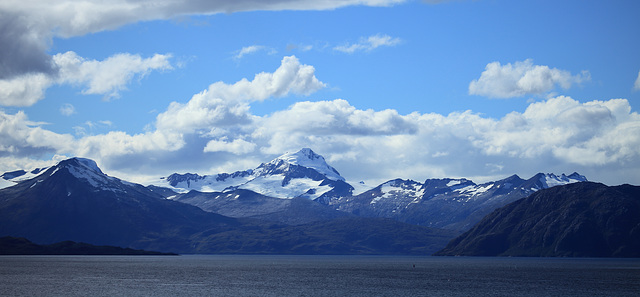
304, 158
300, 174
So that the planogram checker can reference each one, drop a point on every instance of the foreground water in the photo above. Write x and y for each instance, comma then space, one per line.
315, 276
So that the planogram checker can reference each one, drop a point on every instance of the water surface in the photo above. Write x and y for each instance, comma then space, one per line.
233, 275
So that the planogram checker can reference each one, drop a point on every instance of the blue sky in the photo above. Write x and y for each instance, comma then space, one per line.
382, 89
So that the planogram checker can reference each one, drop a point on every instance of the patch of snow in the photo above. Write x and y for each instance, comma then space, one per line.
551, 180
454, 182
6, 183
93, 175
54, 171
399, 189
473, 191
272, 186
359, 188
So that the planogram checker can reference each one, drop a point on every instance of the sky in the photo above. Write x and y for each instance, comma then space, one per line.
383, 89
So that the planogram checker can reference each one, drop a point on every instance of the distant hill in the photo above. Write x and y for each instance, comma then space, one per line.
575, 220
21, 246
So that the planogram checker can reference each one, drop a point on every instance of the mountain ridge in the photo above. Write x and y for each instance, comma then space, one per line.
575, 220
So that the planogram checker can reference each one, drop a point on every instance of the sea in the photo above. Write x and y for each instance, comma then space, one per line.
268, 275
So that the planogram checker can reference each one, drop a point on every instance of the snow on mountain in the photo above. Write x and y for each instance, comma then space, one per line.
300, 174
551, 180
11, 178
398, 188
183, 183
445, 203
88, 170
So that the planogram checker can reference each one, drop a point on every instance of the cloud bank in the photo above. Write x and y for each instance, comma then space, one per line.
522, 78
214, 131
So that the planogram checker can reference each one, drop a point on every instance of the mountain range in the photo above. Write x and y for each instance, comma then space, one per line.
75, 201
294, 204
268, 190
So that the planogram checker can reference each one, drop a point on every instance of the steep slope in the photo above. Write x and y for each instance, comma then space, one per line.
575, 220
300, 174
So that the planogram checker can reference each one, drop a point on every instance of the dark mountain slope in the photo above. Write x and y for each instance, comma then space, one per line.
346, 236
248, 204
576, 220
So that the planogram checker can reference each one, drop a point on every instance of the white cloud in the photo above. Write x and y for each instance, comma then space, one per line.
253, 49
224, 104
20, 137
368, 44
106, 77
522, 78
24, 90
67, 109
636, 85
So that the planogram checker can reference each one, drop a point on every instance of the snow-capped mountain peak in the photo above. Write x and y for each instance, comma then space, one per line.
87, 170
299, 174
304, 158
549, 179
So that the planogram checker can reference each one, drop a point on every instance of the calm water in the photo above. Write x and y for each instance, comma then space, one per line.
315, 276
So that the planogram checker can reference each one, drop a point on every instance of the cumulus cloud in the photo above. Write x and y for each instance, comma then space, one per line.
522, 78
24, 90
20, 137
227, 104
107, 77
368, 44
335, 117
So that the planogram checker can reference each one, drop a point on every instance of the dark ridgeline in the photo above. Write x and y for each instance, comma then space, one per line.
576, 220
22, 246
